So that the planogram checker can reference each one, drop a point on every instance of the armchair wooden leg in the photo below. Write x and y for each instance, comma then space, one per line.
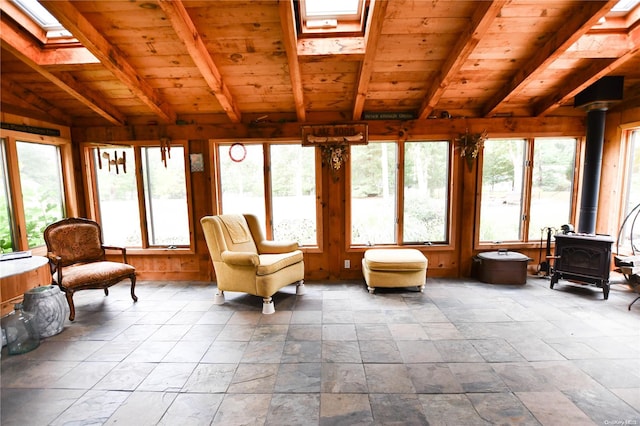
133, 289
267, 306
72, 308
106, 291
300, 290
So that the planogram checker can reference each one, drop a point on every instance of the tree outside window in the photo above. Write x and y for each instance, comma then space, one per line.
373, 193
552, 184
163, 187
42, 188
502, 179
426, 192
526, 184
293, 194
242, 181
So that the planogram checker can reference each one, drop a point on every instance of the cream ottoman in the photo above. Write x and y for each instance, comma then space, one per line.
394, 268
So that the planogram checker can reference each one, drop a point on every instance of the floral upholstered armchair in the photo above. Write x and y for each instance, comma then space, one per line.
78, 262
246, 262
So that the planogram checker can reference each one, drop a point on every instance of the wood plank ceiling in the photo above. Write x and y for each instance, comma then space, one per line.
227, 61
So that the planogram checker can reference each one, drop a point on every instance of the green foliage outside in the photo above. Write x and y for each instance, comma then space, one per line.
41, 181
502, 186
6, 239
425, 191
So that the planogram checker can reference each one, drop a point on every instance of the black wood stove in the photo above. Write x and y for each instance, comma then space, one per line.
583, 258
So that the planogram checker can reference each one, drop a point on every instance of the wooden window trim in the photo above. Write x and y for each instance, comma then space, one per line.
216, 189
452, 186
93, 205
525, 207
16, 201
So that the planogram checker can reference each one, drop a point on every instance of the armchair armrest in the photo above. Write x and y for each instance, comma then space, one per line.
240, 258
277, 247
54, 265
122, 250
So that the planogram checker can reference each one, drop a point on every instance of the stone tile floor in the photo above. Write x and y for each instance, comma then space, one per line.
461, 353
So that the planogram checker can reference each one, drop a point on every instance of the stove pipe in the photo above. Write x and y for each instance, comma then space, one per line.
596, 98
591, 171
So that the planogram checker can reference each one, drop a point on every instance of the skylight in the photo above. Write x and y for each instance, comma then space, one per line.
625, 5
331, 16
328, 9
43, 18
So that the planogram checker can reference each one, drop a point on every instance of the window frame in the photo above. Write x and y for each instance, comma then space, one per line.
93, 203
216, 188
347, 25
399, 180
626, 145
452, 188
14, 185
525, 205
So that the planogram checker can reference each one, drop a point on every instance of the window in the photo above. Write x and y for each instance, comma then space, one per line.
519, 201
165, 222
288, 211
551, 184
632, 201
293, 194
426, 192
165, 190
43, 18
337, 17
33, 189
502, 179
40, 173
373, 193
242, 180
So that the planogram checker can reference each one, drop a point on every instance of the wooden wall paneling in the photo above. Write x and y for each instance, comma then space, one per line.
327, 262
202, 204
468, 208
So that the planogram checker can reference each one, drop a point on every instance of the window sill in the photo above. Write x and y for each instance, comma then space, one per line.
158, 251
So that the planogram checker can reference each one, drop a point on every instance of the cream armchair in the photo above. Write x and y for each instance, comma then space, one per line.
245, 262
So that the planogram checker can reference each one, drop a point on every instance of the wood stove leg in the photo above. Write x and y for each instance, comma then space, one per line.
605, 290
554, 280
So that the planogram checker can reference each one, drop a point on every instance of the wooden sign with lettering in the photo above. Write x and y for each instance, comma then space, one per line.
332, 134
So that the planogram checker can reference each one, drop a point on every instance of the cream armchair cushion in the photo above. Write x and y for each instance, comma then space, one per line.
245, 261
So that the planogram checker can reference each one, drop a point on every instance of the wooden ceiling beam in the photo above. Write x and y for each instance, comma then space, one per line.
287, 21
22, 95
482, 19
110, 56
189, 35
35, 101
575, 27
377, 11
67, 56
578, 82
23, 48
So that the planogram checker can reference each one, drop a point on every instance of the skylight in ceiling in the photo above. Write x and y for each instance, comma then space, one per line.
43, 18
318, 17
328, 9
625, 5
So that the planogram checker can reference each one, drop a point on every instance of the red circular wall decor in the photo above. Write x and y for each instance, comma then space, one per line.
237, 152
